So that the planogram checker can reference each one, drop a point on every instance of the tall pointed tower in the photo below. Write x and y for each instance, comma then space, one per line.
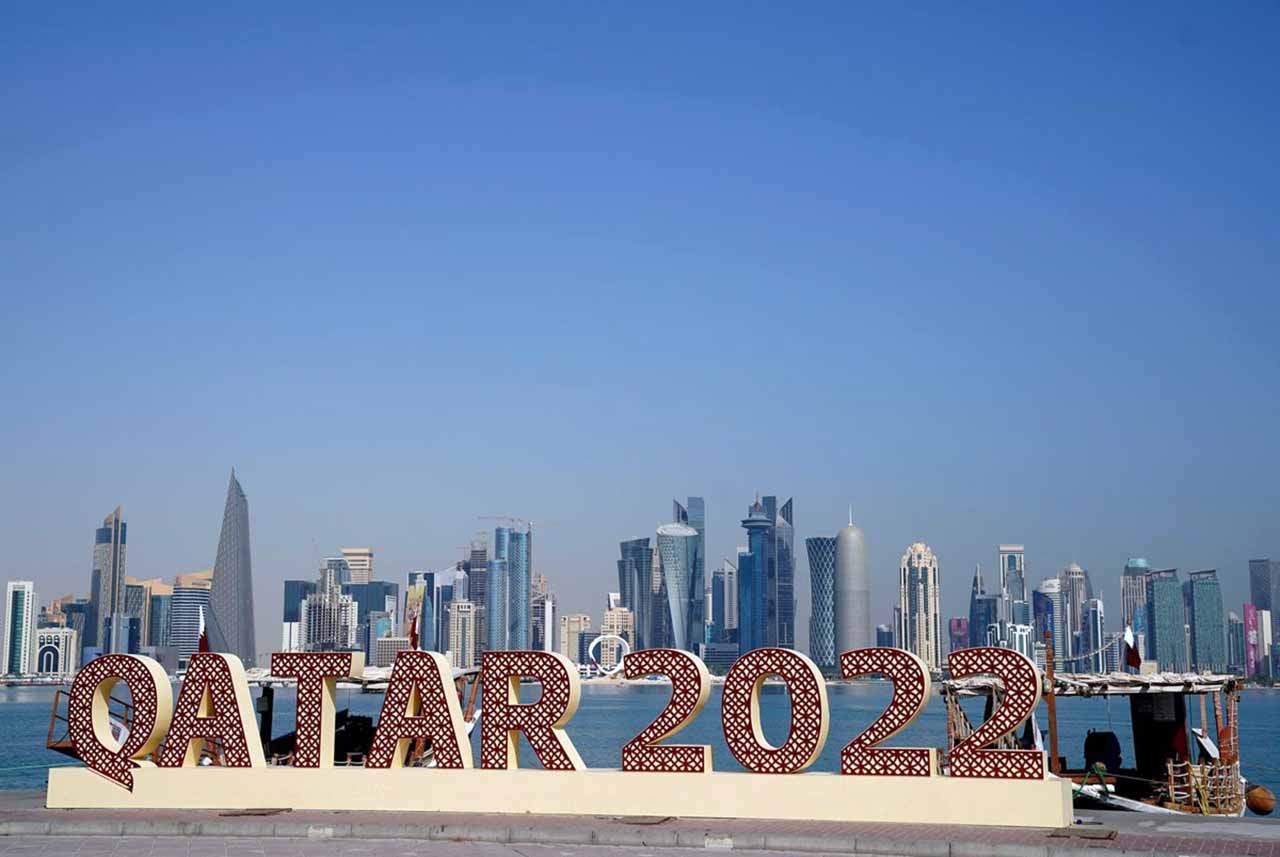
230, 622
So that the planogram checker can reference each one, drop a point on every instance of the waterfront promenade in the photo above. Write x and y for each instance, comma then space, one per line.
26, 827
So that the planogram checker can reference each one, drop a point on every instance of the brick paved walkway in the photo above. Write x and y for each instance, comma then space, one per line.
213, 834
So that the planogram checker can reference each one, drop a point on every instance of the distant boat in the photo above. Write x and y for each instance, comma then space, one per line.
1164, 775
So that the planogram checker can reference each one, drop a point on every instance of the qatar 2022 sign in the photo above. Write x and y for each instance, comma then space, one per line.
156, 763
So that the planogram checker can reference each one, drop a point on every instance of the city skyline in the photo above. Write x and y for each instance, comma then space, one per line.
1234, 586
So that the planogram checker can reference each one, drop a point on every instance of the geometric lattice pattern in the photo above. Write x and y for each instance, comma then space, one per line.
739, 711
312, 670
503, 718
94, 681
910, 695
208, 677
418, 681
1021, 680
689, 691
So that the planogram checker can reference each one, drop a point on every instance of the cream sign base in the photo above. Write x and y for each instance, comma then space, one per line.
808, 797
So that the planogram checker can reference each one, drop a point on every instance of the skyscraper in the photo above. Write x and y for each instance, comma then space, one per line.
634, 571
542, 622
1077, 591
496, 603
190, 599
919, 621
1264, 592
984, 612
462, 629
766, 577
1202, 597
1252, 641
478, 590
19, 627
1166, 621
958, 632
851, 588
106, 583
1093, 655
730, 570
294, 592
230, 620
694, 515
360, 562
822, 617
884, 636
1235, 644
678, 550
1049, 615
329, 616
572, 627
518, 590
1013, 572
1133, 589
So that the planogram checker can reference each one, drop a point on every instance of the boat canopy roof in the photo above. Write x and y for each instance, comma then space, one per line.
1105, 684
372, 677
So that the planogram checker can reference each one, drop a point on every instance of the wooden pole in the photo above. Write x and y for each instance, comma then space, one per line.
1052, 702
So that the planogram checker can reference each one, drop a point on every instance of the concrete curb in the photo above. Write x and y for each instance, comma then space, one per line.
516, 833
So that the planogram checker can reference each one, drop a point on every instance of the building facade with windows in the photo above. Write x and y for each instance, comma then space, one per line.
822, 615
57, 652
686, 599
230, 620
851, 591
1202, 597
20, 611
1166, 621
919, 622
106, 582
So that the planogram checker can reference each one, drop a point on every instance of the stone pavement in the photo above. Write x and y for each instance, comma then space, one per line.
26, 827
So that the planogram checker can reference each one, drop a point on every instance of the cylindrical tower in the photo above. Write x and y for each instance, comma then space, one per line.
852, 591
678, 547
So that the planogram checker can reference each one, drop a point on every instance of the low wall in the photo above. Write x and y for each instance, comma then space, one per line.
811, 797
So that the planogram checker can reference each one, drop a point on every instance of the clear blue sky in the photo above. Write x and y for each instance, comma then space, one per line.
1005, 272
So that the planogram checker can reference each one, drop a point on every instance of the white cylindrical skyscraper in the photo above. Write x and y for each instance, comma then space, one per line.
852, 590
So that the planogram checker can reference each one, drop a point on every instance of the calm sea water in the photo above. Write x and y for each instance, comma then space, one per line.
609, 716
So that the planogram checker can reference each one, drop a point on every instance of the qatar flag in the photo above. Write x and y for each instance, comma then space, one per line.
203, 644
1132, 656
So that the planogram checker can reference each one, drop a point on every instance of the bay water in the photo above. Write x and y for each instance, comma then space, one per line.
610, 715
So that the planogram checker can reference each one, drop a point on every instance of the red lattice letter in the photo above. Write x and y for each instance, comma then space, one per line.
690, 687
740, 711
910, 679
1021, 681
503, 718
420, 703
89, 722
213, 705
317, 674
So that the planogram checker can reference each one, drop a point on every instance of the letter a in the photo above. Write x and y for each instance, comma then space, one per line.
421, 703
213, 705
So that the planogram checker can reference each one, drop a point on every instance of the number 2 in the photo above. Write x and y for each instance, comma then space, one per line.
690, 688
1021, 680
911, 687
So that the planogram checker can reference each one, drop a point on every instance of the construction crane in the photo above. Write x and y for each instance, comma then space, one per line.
510, 519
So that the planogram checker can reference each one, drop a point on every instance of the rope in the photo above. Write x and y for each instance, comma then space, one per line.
32, 767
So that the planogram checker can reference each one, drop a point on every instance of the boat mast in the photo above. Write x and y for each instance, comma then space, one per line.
1053, 704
